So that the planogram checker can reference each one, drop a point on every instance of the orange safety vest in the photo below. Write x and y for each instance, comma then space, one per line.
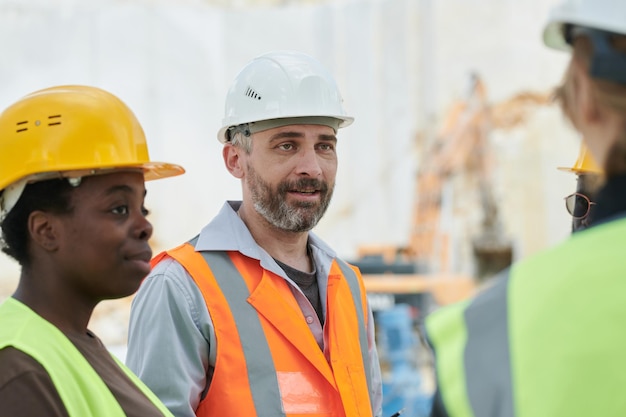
268, 363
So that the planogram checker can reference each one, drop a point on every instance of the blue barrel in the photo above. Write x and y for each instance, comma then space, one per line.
399, 348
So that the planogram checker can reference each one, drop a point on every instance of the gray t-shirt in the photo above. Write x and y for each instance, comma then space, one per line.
307, 281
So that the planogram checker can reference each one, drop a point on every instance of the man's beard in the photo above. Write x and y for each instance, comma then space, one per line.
272, 204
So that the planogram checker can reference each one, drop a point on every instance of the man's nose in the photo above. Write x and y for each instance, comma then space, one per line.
309, 163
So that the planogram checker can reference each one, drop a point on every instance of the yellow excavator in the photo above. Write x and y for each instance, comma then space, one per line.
424, 267
405, 283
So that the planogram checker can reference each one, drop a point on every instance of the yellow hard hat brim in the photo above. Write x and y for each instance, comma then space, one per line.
578, 171
158, 170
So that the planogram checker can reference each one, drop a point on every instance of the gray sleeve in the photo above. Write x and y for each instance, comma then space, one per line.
169, 338
375, 373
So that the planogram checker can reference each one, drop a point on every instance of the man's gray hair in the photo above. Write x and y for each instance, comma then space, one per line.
244, 141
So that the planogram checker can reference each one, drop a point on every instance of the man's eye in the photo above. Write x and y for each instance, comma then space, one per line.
286, 146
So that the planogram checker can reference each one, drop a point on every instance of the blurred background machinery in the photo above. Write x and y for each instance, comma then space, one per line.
405, 283
404, 385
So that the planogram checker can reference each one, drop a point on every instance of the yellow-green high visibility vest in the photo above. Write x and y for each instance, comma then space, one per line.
81, 389
548, 338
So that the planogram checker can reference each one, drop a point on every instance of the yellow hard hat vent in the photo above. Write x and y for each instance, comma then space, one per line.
71, 128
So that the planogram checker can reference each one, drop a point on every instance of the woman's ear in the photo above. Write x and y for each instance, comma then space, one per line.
233, 160
43, 230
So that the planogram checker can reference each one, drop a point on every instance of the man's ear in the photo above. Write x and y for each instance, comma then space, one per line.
43, 230
233, 160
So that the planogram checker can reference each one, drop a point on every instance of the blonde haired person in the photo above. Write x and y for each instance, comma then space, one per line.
547, 339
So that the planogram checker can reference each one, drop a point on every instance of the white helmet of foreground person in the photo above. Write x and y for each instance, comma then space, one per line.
281, 88
604, 15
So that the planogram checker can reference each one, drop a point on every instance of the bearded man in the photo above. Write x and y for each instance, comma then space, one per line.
257, 316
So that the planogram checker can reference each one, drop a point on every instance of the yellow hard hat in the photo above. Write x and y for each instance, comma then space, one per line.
73, 128
584, 164
70, 131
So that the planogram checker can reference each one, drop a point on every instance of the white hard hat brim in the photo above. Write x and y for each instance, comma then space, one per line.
344, 121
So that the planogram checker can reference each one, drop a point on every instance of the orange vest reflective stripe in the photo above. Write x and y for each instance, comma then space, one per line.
268, 363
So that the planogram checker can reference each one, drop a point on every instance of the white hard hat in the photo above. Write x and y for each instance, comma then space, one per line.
606, 15
283, 86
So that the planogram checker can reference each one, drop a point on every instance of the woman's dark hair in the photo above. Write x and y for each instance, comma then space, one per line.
51, 196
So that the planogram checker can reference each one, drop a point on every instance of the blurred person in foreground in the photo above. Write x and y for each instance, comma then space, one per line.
73, 160
256, 315
580, 204
547, 339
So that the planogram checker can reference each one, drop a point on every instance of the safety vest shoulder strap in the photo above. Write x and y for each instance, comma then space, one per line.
256, 351
214, 273
144, 388
81, 389
471, 344
358, 294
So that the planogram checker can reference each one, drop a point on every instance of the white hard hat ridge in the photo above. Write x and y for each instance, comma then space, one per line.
606, 15
282, 85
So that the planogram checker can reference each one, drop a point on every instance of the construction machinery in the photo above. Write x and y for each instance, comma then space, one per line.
405, 283
455, 175
461, 149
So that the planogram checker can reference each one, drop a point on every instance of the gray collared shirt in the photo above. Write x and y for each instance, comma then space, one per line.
171, 337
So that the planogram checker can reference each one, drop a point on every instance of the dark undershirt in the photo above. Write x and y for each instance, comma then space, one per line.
307, 281
26, 389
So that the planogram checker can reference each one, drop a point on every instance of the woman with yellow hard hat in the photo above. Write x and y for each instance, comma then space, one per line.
73, 161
